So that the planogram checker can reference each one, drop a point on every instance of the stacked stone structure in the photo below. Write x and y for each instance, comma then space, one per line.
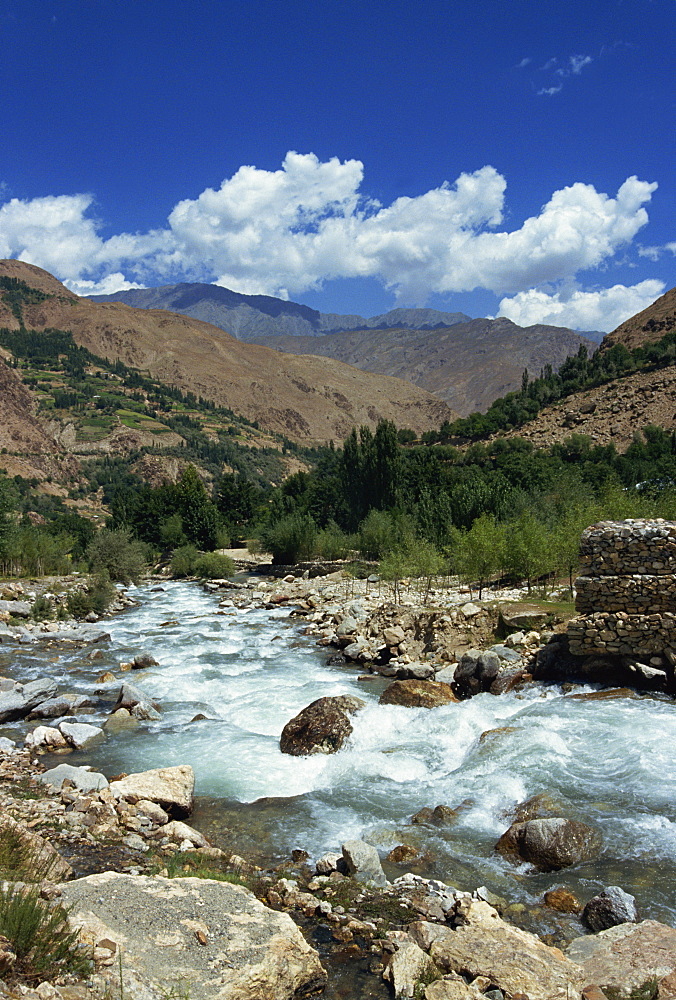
626, 593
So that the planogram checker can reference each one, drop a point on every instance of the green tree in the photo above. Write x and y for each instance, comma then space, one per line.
118, 554
479, 552
529, 552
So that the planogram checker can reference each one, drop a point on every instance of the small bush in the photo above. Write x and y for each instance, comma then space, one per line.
98, 595
333, 543
39, 934
42, 609
183, 561
214, 566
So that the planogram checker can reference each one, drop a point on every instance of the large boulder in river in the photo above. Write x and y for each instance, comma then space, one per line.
550, 843
192, 935
20, 699
322, 727
610, 907
171, 787
475, 672
418, 694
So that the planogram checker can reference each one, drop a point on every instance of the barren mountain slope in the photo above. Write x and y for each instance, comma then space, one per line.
468, 364
39, 452
646, 326
309, 399
611, 412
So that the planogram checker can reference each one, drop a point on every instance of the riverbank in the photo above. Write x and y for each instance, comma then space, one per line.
82, 817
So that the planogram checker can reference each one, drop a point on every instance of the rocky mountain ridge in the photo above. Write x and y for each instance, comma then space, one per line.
249, 317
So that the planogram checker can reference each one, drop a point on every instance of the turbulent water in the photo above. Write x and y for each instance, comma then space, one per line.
611, 763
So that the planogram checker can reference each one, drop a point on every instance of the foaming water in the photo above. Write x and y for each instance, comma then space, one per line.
611, 763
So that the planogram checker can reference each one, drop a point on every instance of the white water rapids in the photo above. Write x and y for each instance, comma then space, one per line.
611, 762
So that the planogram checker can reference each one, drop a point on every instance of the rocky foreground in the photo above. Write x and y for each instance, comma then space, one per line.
152, 928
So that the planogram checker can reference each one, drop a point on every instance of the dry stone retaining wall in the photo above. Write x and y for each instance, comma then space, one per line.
626, 594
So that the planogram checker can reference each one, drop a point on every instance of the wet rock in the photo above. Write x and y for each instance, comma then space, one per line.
551, 843
259, 952
363, 863
322, 727
539, 806
121, 720
83, 779
610, 907
130, 695
562, 900
63, 704
403, 854
417, 694
516, 962
143, 661
171, 787
423, 816
625, 959
475, 672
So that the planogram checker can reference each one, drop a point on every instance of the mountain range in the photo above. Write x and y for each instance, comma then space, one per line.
467, 363
249, 317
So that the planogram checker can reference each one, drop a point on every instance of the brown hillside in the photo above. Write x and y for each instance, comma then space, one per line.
612, 412
310, 399
646, 326
468, 365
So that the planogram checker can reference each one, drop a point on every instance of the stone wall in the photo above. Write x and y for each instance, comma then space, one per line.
626, 593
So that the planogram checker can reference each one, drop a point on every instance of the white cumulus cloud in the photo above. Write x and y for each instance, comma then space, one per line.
285, 231
601, 310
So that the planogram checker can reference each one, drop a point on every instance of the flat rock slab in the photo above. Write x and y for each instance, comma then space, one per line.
171, 787
514, 960
624, 958
209, 940
82, 777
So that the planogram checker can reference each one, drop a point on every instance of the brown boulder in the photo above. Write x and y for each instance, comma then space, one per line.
562, 900
417, 694
322, 727
550, 843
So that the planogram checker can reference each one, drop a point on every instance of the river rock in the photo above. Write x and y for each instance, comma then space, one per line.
475, 672
22, 698
452, 987
330, 861
625, 958
62, 704
80, 735
8, 956
37, 856
612, 906
512, 959
417, 694
82, 778
405, 968
562, 900
143, 661
363, 863
46, 738
551, 843
219, 941
518, 617
19, 609
178, 832
171, 787
321, 727
130, 695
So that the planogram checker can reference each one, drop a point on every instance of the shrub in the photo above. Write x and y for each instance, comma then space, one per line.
214, 566
115, 551
98, 595
290, 539
39, 935
333, 543
42, 609
184, 560
378, 535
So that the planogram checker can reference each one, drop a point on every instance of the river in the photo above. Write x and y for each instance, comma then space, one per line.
611, 763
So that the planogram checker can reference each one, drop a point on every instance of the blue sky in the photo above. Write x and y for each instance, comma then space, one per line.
497, 158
